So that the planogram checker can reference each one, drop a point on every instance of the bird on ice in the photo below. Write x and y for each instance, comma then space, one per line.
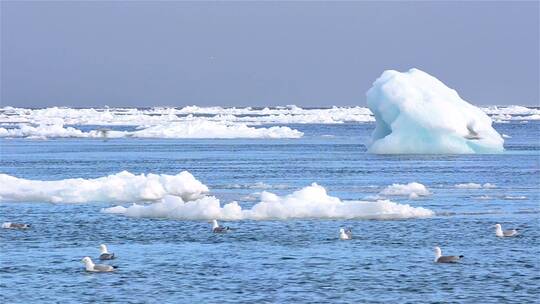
504, 233
9, 225
216, 228
105, 254
345, 234
439, 258
91, 267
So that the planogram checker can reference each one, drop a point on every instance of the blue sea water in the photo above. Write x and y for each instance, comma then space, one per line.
293, 261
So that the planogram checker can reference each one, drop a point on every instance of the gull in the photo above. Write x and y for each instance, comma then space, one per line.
91, 267
9, 225
504, 233
473, 135
439, 258
345, 234
105, 255
216, 228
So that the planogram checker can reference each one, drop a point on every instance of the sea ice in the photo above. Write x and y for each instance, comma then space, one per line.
120, 187
186, 129
309, 202
412, 190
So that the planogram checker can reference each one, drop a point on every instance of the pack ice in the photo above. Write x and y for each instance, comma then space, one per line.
418, 114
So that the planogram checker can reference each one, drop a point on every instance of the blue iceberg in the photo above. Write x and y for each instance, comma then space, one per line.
418, 114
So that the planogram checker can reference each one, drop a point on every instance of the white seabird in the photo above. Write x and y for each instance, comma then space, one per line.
439, 258
9, 225
216, 228
345, 234
472, 135
105, 254
91, 267
504, 233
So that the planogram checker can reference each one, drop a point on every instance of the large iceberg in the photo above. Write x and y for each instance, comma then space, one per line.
418, 114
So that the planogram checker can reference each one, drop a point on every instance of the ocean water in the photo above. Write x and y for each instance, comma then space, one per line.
292, 261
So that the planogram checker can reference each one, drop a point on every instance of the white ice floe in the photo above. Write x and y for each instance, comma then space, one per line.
511, 110
159, 115
515, 197
258, 185
187, 129
210, 129
120, 187
308, 202
412, 190
251, 116
475, 186
416, 113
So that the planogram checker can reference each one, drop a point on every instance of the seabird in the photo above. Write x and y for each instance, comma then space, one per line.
439, 258
473, 135
504, 233
91, 267
345, 234
216, 228
9, 225
103, 132
105, 255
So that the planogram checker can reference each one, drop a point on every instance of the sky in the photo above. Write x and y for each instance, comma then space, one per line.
312, 54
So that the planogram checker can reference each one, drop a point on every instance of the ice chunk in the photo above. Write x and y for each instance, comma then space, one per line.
308, 202
120, 187
416, 113
475, 186
412, 190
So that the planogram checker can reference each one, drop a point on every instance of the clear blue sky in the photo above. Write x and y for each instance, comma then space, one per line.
134, 53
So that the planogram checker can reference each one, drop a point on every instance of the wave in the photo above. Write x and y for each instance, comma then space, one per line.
309, 202
120, 187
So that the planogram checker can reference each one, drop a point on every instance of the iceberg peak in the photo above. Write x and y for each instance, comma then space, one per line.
418, 114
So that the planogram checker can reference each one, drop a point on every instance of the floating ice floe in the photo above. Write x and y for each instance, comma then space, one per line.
416, 113
159, 115
251, 116
475, 186
187, 129
412, 190
308, 202
120, 187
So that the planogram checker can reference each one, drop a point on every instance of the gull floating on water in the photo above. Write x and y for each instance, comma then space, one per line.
504, 233
439, 258
345, 234
105, 255
9, 225
91, 267
216, 228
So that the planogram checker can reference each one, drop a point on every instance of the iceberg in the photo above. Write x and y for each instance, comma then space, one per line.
416, 113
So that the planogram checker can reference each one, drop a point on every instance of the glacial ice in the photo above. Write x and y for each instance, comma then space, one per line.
418, 114
309, 202
120, 187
